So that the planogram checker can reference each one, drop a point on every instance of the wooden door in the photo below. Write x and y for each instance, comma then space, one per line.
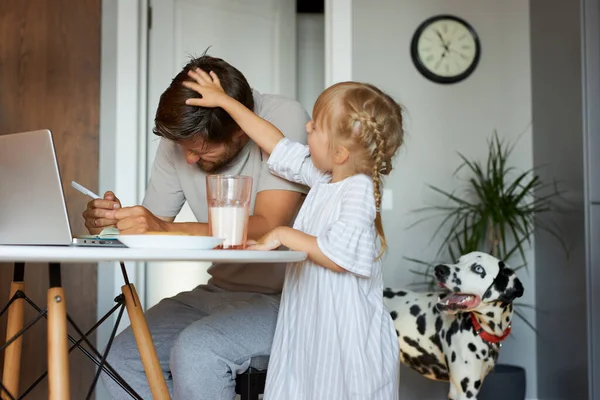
50, 78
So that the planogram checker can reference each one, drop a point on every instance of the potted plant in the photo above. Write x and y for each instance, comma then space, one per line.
494, 212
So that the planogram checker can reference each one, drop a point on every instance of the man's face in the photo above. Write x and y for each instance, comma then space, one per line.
211, 157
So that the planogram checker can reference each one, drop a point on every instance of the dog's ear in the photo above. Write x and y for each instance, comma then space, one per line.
506, 287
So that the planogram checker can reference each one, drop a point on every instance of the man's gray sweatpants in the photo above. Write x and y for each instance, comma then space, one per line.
203, 338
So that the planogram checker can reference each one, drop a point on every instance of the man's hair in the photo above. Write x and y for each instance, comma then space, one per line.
177, 121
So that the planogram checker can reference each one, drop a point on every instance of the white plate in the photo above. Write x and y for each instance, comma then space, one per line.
170, 242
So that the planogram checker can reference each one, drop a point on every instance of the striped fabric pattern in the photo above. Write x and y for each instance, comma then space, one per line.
334, 337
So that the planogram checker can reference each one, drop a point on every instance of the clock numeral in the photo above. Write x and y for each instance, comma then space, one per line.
463, 36
465, 47
429, 58
425, 49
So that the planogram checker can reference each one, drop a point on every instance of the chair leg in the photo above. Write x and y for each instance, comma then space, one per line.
143, 338
58, 349
12, 357
251, 384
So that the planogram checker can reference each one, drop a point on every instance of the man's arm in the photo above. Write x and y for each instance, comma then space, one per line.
272, 208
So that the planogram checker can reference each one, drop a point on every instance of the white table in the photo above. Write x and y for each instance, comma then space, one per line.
58, 367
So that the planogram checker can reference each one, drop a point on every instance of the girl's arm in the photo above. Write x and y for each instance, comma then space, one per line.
262, 132
296, 240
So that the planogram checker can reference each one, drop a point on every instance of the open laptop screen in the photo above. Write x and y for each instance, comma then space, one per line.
32, 203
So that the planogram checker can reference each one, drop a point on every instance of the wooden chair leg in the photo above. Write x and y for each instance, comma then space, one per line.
139, 326
12, 355
58, 350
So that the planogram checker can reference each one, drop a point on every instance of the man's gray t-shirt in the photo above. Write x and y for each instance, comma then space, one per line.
173, 181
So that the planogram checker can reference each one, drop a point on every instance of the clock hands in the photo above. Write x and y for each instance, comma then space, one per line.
442, 40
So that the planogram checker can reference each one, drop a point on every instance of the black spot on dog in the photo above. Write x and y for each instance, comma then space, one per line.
469, 394
451, 331
394, 315
435, 339
477, 356
476, 384
430, 294
415, 310
456, 269
510, 307
453, 356
421, 324
472, 347
464, 384
440, 374
401, 293
407, 302
483, 352
501, 284
426, 363
493, 325
507, 319
397, 333
501, 264
387, 292
456, 289
490, 314
439, 324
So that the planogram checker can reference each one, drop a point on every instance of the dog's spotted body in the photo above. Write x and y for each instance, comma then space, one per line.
439, 333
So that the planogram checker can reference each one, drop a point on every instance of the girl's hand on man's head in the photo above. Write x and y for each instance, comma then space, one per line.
208, 86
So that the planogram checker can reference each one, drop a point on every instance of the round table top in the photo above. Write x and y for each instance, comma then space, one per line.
74, 254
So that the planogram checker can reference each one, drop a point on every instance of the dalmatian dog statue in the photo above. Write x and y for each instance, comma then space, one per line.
456, 337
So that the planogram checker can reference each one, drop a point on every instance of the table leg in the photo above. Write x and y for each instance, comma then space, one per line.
154, 374
58, 350
12, 355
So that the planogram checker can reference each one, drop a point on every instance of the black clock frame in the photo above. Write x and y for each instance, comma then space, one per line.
414, 51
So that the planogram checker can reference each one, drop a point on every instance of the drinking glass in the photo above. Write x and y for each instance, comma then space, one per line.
228, 198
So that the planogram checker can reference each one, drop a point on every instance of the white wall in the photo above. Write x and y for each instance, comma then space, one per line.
311, 59
441, 120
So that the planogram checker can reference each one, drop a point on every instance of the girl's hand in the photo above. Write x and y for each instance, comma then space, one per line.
270, 241
208, 86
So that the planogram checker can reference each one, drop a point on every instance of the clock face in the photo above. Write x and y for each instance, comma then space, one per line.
445, 49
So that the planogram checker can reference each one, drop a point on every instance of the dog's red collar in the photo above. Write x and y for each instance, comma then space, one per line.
488, 337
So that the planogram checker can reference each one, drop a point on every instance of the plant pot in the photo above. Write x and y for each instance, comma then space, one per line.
505, 382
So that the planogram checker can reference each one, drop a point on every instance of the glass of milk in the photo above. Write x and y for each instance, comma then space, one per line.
228, 198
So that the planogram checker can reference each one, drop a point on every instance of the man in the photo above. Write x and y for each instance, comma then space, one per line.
208, 335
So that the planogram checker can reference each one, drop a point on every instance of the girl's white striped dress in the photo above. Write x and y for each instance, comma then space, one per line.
334, 337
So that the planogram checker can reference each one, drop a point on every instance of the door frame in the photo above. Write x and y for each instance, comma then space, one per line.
122, 167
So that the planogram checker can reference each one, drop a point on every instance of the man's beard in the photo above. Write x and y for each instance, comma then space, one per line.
233, 149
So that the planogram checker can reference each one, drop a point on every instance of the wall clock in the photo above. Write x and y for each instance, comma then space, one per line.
445, 49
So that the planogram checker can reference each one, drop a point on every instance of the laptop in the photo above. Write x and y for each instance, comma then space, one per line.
32, 203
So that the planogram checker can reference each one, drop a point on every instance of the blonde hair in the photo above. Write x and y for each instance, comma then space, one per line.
368, 122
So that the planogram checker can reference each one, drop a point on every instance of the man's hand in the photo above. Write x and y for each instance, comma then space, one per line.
136, 220
208, 86
95, 215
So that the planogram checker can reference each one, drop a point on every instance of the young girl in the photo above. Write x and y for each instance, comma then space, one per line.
334, 338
